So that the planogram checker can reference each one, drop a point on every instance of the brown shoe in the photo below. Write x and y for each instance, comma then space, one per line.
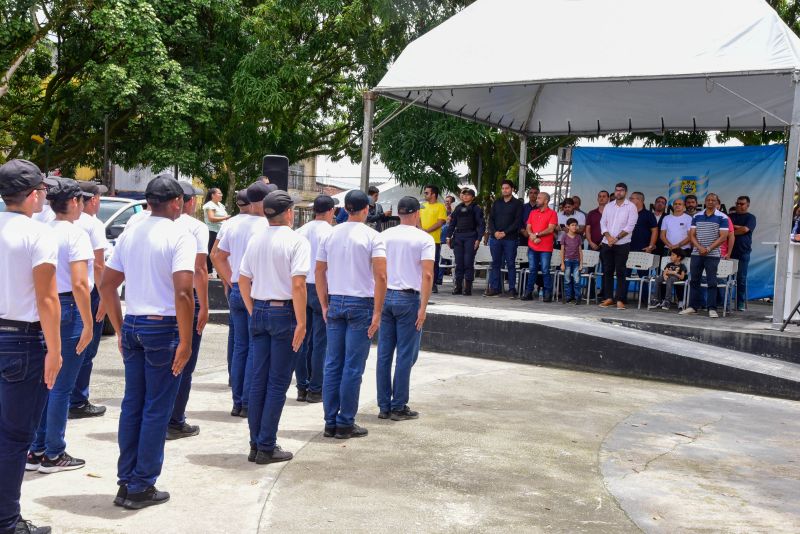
606, 303
620, 305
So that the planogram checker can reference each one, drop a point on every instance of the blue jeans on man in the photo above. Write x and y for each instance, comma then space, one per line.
398, 331
503, 251
23, 395
178, 417
348, 347
698, 264
572, 279
272, 329
311, 359
148, 351
539, 261
53, 424
741, 279
80, 393
241, 364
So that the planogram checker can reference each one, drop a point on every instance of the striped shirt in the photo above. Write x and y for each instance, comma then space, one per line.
707, 229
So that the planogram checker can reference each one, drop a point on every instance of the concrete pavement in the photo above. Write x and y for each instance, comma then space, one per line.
498, 446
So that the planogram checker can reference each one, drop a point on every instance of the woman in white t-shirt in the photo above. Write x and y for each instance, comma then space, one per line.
675, 227
214, 214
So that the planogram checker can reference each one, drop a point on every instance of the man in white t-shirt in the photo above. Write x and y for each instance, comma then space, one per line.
178, 427
30, 318
229, 256
311, 360
156, 261
79, 405
273, 284
351, 286
675, 227
569, 212
410, 255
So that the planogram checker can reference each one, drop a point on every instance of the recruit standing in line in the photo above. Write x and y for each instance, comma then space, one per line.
410, 257
464, 235
311, 360
273, 284
30, 316
48, 450
156, 260
351, 286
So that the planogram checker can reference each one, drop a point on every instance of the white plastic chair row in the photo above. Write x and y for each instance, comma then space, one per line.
591, 259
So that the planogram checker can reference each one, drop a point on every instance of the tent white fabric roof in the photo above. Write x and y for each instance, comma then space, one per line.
555, 67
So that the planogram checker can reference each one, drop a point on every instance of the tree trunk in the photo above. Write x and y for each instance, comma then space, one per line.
230, 197
6, 80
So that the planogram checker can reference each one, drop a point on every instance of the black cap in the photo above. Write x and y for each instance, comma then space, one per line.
19, 175
91, 189
163, 187
276, 203
241, 198
407, 206
189, 190
258, 191
468, 191
355, 200
324, 203
65, 189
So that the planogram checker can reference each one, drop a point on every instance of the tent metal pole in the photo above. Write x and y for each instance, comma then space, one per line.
523, 164
789, 181
366, 143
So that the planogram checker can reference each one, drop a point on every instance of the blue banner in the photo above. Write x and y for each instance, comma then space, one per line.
755, 171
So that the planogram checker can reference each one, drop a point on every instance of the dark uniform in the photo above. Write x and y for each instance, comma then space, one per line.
466, 227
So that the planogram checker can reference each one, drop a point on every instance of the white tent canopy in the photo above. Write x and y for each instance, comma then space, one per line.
555, 67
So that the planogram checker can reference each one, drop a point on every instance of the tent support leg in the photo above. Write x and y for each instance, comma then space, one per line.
789, 181
523, 164
366, 143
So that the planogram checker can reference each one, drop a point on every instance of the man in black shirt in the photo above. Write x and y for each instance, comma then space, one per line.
464, 237
744, 224
504, 221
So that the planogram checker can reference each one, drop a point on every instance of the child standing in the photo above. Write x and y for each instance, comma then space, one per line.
674, 271
571, 259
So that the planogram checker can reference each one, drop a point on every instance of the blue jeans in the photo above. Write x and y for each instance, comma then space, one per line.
539, 261
241, 364
231, 338
272, 328
572, 279
23, 395
348, 347
398, 330
53, 424
182, 399
699, 264
148, 351
503, 250
80, 393
741, 279
311, 359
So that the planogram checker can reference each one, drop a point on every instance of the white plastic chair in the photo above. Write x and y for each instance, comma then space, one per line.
555, 269
726, 273
656, 276
522, 257
640, 261
483, 258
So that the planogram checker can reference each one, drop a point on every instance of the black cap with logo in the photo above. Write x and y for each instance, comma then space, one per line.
162, 188
189, 190
408, 205
258, 191
64, 189
276, 203
18, 175
355, 200
324, 203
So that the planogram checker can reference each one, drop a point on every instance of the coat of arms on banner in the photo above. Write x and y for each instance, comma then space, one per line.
680, 186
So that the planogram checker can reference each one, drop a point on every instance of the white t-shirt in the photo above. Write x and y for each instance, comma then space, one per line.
677, 228
272, 258
314, 231
406, 248
97, 236
73, 245
46, 215
198, 230
348, 250
136, 218
148, 255
563, 218
234, 241
230, 223
25, 244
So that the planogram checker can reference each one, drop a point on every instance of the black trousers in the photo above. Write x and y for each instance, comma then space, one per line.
464, 251
614, 260
212, 236
437, 260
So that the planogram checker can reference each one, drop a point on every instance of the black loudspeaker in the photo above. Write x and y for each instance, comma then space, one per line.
276, 168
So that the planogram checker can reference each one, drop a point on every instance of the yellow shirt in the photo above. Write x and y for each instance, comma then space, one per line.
430, 215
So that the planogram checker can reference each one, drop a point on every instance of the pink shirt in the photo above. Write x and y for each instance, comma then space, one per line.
723, 248
617, 219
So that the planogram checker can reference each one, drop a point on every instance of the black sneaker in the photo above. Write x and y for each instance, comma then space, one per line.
33, 461
512, 294
243, 412
347, 432
149, 497
236, 410
252, 456
64, 462
274, 456
491, 293
122, 494
314, 396
547, 298
329, 432
26, 527
404, 414
302, 395
383, 415
184, 431
527, 296
435, 289
87, 409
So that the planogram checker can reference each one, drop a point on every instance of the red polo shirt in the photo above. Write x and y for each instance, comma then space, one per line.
539, 221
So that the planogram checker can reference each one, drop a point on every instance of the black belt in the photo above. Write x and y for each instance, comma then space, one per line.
463, 231
411, 291
65, 294
7, 325
272, 302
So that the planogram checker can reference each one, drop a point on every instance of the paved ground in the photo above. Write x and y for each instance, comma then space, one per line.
498, 447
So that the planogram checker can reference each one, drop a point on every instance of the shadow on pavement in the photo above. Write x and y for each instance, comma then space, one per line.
217, 416
103, 436
236, 461
98, 505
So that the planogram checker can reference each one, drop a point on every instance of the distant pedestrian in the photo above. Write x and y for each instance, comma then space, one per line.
214, 214
464, 237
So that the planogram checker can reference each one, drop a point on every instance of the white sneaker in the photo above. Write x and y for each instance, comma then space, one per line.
713, 314
687, 311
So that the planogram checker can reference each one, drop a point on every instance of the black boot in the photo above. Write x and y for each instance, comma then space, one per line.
457, 289
467, 288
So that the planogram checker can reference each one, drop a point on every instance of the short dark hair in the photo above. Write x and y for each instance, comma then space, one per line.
677, 252
744, 197
451, 197
572, 220
372, 190
434, 189
61, 206
604, 191
509, 183
638, 193
567, 201
687, 197
622, 185
661, 196
15, 199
